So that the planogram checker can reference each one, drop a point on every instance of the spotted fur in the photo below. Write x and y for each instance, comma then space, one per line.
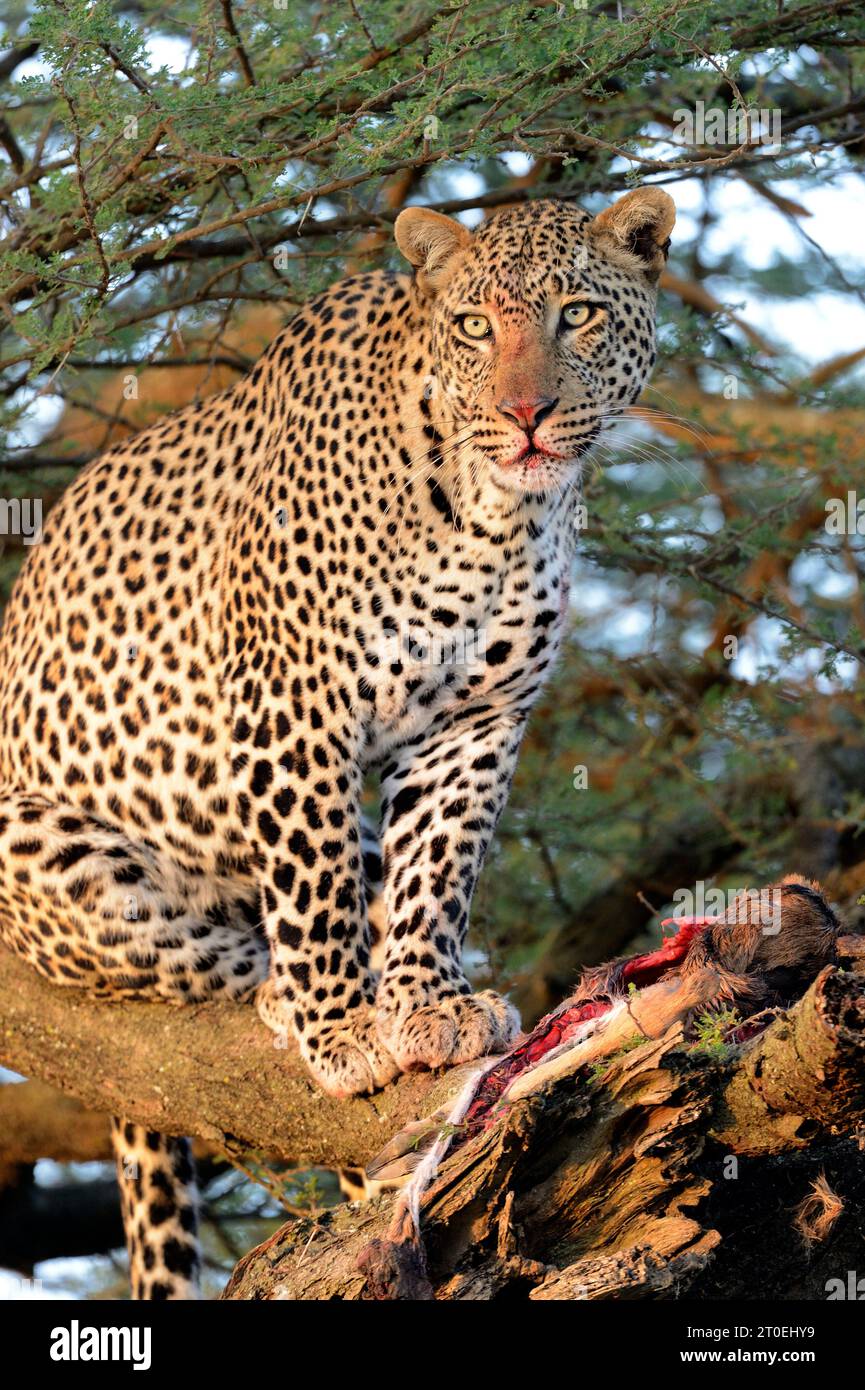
159, 1198
357, 558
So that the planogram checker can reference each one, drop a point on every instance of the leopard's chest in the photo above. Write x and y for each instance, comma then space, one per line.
488, 635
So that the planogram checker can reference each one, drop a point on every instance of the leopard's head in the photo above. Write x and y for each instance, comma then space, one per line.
542, 326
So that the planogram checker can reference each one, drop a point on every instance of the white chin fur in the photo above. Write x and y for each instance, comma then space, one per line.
518, 477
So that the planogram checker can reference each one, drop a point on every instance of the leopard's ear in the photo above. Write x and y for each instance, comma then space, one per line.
430, 241
635, 231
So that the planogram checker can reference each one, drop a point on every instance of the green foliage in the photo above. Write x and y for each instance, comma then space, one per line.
157, 148
710, 1032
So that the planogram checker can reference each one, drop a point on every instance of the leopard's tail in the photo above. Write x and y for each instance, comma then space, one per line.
156, 1177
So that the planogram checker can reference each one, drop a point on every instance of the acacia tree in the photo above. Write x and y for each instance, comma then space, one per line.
175, 181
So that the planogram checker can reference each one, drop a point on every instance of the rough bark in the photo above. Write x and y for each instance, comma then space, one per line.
212, 1071
807, 1071
618, 1184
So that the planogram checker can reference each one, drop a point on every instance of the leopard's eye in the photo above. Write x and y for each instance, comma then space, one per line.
578, 314
475, 325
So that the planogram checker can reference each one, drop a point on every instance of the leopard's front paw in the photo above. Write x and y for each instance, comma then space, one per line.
452, 1030
346, 1057
349, 1058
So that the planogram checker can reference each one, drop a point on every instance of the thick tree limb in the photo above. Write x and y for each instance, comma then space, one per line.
211, 1071
36, 1121
616, 1185
806, 1071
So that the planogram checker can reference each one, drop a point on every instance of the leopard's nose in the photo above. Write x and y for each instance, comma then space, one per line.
528, 414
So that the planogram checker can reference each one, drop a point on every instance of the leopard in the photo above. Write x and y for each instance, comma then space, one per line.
354, 563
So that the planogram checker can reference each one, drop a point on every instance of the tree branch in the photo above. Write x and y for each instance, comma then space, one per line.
242, 57
15, 57
36, 1121
213, 1071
